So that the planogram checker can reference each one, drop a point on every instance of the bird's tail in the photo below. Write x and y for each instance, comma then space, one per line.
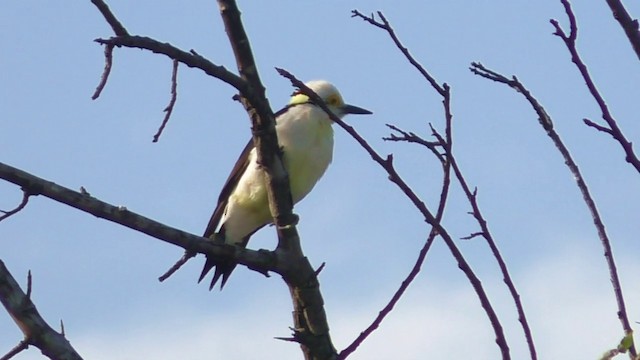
224, 268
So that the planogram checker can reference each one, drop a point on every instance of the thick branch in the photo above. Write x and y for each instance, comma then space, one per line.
261, 260
629, 25
311, 328
545, 119
35, 329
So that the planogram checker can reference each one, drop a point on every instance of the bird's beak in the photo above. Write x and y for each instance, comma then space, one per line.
350, 109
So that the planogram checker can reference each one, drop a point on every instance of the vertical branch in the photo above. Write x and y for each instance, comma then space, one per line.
172, 101
311, 328
546, 122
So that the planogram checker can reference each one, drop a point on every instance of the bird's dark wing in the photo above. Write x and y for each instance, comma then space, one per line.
225, 267
227, 189
232, 181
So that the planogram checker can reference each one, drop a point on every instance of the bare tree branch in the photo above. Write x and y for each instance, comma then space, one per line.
23, 203
117, 27
447, 144
570, 42
261, 260
547, 124
22, 346
629, 25
108, 63
35, 329
387, 27
311, 328
172, 102
387, 165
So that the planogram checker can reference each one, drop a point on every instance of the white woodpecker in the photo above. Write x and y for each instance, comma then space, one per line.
306, 138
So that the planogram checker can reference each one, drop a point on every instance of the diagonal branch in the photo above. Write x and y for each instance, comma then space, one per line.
387, 165
629, 25
261, 261
387, 27
35, 329
544, 118
115, 24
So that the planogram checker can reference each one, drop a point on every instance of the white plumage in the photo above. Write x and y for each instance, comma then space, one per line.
306, 137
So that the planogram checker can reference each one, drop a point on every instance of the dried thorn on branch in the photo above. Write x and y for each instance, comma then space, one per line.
172, 102
289, 339
108, 62
317, 272
29, 283
472, 235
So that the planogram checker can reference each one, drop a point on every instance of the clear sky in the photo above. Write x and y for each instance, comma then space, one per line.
100, 278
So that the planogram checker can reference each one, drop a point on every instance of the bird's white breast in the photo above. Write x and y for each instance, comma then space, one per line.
306, 136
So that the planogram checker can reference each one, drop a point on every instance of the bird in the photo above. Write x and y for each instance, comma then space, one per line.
305, 136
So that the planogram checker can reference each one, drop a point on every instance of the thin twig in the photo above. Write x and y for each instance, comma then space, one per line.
175, 267
108, 62
23, 203
411, 137
544, 118
570, 42
387, 27
189, 58
172, 102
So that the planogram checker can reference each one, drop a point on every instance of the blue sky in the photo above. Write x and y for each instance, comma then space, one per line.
100, 278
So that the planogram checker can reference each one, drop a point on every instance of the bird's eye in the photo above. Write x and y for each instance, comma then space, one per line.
333, 100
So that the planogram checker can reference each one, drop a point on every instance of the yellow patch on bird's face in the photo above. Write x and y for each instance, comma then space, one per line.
298, 98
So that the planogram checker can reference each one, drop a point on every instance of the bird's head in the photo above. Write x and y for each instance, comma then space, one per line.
330, 95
